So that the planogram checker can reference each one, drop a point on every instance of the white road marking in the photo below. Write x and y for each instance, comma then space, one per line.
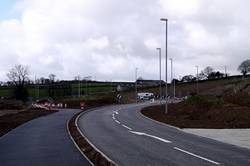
116, 112
152, 136
117, 122
126, 127
195, 155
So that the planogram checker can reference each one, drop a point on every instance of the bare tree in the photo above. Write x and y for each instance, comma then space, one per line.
188, 78
207, 71
18, 77
244, 67
52, 78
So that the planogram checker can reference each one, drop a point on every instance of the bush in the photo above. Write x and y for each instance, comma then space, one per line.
21, 93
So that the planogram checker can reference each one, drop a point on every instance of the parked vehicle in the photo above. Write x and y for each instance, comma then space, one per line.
145, 96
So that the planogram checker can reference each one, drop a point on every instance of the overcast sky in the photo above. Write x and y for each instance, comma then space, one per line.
108, 39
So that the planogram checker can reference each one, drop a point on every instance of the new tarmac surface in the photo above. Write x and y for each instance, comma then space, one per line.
41, 142
128, 138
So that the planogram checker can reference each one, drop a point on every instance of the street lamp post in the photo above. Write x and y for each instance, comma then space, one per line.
37, 87
225, 71
172, 75
197, 79
159, 49
86, 84
166, 83
136, 84
79, 86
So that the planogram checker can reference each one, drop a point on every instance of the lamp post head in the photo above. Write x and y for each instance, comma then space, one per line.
164, 19
158, 48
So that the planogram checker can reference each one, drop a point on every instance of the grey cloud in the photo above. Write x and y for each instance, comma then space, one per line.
107, 38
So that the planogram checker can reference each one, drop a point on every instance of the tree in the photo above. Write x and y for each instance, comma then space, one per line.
174, 81
214, 75
18, 77
244, 67
139, 78
207, 71
52, 78
42, 80
187, 78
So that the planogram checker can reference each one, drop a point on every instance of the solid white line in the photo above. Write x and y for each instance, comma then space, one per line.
117, 122
126, 127
152, 136
76, 124
72, 139
195, 155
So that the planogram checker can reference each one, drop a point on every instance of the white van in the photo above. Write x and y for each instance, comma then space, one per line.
145, 96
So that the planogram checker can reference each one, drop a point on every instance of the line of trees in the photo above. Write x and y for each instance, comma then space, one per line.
209, 73
19, 78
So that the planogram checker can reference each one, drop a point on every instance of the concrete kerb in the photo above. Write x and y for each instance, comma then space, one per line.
96, 149
76, 144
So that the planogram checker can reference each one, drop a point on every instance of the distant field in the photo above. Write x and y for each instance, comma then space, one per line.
205, 87
70, 90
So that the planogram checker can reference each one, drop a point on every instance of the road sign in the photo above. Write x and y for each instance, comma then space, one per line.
82, 105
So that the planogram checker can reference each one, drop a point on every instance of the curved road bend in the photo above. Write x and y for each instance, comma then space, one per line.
41, 142
128, 138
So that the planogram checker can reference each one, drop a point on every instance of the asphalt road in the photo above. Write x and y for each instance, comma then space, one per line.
41, 142
128, 138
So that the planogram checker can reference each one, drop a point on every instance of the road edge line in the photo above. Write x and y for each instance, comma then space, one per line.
72, 139
76, 124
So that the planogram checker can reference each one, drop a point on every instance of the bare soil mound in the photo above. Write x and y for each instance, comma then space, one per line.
202, 113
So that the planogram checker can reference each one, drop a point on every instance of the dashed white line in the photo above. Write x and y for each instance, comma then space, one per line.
126, 127
152, 136
117, 122
116, 112
195, 155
